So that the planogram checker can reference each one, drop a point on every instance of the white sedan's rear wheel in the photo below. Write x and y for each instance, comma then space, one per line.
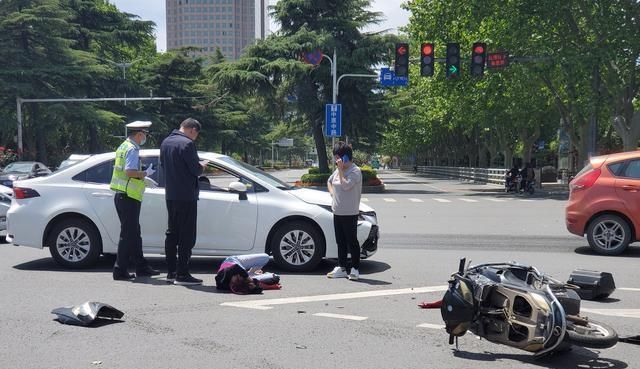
74, 243
297, 246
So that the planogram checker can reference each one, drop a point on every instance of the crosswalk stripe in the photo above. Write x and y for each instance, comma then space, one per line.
442, 200
341, 316
415, 200
526, 200
389, 200
469, 200
496, 200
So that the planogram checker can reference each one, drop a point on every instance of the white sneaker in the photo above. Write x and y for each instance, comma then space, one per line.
337, 272
354, 275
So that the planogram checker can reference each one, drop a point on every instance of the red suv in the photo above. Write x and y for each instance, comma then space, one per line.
604, 202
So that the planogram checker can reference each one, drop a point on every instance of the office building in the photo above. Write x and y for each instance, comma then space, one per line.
209, 24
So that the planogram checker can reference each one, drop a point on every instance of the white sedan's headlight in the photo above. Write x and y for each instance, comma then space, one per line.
369, 216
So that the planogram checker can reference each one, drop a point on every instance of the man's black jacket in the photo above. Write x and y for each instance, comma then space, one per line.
179, 167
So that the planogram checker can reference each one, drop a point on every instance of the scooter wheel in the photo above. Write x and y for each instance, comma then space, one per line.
593, 335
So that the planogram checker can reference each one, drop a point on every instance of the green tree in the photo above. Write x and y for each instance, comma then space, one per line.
272, 69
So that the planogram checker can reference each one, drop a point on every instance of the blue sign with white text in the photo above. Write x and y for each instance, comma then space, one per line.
333, 120
388, 78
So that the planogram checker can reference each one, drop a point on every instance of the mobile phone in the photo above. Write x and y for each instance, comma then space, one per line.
344, 158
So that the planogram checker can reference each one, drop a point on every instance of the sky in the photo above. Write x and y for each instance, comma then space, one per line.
154, 10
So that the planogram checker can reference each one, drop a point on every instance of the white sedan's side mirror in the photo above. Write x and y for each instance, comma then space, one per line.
240, 188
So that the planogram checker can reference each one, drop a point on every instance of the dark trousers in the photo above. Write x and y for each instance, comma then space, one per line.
130, 242
181, 234
346, 229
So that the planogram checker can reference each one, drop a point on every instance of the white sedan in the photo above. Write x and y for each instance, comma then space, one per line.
241, 210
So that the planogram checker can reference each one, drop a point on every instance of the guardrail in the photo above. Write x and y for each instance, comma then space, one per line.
484, 175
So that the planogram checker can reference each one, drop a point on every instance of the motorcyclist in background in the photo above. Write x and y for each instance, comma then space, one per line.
512, 177
528, 175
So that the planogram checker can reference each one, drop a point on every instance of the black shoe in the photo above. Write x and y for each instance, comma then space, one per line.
187, 280
171, 277
146, 271
119, 275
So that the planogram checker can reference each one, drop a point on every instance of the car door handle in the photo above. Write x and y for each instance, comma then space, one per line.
102, 194
630, 188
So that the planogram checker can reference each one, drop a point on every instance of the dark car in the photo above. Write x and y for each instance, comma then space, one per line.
22, 170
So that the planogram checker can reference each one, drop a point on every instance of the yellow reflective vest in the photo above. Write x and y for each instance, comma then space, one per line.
120, 182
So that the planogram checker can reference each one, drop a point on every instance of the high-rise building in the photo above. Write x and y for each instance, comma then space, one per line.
209, 24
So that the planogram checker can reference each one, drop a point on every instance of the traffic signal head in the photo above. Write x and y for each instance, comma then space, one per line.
478, 58
426, 59
402, 60
453, 60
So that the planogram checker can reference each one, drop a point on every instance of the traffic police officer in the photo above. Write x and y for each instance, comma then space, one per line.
128, 183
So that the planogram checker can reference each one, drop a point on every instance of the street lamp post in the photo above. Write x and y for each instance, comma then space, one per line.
336, 81
123, 66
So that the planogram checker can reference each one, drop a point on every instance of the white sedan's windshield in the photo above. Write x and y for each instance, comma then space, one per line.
258, 173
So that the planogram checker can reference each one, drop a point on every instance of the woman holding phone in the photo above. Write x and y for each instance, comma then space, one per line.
345, 187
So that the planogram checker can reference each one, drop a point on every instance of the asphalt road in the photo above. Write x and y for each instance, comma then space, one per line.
314, 322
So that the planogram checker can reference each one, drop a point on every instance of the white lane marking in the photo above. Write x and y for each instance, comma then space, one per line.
526, 200
430, 326
496, 200
266, 304
415, 200
629, 289
468, 200
389, 200
364, 199
442, 200
626, 313
341, 316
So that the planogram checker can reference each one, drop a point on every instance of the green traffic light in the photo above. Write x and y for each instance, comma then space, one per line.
453, 69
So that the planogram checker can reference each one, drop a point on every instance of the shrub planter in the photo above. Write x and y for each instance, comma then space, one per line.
370, 181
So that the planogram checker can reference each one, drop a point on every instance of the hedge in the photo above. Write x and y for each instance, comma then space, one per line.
369, 176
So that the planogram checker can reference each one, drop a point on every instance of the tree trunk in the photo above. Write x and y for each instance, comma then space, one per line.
318, 138
508, 158
94, 145
483, 161
629, 133
41, 138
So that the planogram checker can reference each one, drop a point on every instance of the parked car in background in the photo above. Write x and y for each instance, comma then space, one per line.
242, 210
72, 159
22, 170
604, 202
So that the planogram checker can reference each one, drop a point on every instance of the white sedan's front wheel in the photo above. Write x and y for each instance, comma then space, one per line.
297, 246
74, 243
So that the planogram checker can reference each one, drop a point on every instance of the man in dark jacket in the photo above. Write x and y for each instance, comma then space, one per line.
180, 168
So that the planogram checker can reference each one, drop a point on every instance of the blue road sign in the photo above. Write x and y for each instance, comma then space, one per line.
388, 78
333, 120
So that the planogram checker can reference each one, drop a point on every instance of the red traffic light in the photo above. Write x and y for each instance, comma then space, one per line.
427, 49
401, 50
478, 49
